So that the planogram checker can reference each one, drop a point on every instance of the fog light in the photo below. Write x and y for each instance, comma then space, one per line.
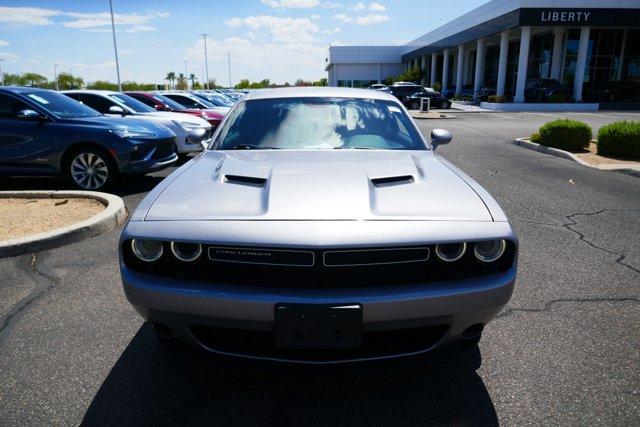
147, 250
489, 251
186, 252
450, 252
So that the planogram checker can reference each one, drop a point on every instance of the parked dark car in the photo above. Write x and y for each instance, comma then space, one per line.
538, 90
162, 103
43, 132
401, 91
412, 102
622, 91
485, 92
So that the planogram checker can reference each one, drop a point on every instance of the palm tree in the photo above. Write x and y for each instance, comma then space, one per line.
182, 82
171, 76
193, 79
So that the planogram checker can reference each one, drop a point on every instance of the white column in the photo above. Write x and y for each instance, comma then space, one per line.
460, 70
445, 70
556, 58
581, 64
433, 69
502, 63
479, 68
424, 70
523, 62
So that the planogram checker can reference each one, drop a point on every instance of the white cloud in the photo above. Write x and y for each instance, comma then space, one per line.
291, 4
342, 17
332, 31
101, 19
358, 6
331, 5
9, 57
286, 29
140, 29
4, 43
377, 7
371, 19
315, 17
233, 22
27, 15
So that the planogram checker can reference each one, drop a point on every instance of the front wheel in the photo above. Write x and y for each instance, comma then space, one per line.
90, 168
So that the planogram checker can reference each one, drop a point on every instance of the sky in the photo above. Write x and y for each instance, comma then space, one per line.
282, 40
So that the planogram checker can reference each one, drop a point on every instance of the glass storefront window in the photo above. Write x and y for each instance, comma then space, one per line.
540, 56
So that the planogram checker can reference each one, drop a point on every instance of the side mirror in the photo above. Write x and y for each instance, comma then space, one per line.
29, 115
439, 137
114, 109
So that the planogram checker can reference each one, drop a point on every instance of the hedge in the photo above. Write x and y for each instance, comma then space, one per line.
620, 139
565, 134
497, 99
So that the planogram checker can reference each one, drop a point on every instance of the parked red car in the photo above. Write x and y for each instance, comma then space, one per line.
162, 103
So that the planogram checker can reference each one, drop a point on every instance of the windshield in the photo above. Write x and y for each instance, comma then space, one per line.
169, 102
319, 123
132, 103
217, 100
61, 106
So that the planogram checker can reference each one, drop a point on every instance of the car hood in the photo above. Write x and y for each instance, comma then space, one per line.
179, 117
318, 185
122, 123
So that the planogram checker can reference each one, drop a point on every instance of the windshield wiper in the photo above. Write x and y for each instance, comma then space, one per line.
251, 147
346, 147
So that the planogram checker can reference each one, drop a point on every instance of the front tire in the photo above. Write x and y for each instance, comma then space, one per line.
91, 168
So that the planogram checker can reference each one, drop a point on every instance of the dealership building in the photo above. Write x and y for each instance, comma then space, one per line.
591, 46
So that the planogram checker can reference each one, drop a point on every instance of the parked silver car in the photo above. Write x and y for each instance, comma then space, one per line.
319, 228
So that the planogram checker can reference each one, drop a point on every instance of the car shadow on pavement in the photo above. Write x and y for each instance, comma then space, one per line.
153, 384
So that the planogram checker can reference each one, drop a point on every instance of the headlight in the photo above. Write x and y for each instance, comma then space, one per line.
186, 125
147, 250
128, 133
490, 250
187, 252
450, 252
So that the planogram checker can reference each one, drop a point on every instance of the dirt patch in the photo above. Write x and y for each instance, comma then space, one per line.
593, 158
430, 115
24, 217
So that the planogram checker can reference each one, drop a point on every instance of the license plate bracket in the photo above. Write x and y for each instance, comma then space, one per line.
322, 326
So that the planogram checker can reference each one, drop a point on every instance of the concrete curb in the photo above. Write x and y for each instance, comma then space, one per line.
113, 215
441, 116
524, 142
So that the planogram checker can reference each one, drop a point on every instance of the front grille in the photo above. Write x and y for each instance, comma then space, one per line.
164, 149
318, 269
375, 344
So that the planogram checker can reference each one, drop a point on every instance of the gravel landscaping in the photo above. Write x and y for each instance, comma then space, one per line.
23, 217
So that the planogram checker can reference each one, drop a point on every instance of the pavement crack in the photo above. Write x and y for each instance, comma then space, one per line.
38, 292
547, 306
620, 257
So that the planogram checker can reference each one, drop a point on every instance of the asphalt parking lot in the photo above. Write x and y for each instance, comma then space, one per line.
566, 350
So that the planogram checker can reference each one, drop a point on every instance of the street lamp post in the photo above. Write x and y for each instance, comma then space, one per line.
229, 66
186, 76
206, 58
115, 45
55, 75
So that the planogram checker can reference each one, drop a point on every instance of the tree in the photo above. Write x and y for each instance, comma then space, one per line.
243, 84
171, 76
102, 85
322, 82
34, 79
196, 86
182, 82
67, 81
193, 79
411, 75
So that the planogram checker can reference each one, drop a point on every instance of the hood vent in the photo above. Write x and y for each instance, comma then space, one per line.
392, 180
250, 181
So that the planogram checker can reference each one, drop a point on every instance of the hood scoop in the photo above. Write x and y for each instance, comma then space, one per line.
250, 181
389, 181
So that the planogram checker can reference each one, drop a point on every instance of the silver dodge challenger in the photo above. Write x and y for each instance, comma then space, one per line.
319, 228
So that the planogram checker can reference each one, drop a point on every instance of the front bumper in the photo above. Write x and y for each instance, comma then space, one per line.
446, 308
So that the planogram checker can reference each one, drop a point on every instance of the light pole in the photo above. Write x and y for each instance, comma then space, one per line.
206, 58
229, 67
186, 76
55, 75
115, 45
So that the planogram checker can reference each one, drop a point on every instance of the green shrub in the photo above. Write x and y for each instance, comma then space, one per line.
535, 138
497, 99
557, 98
565, 134
620, 139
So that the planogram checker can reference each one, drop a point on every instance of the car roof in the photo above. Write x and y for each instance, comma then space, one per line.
317, 92
93, 91
22, 89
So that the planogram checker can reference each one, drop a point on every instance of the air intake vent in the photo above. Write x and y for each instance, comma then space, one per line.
246, 180
392, 180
